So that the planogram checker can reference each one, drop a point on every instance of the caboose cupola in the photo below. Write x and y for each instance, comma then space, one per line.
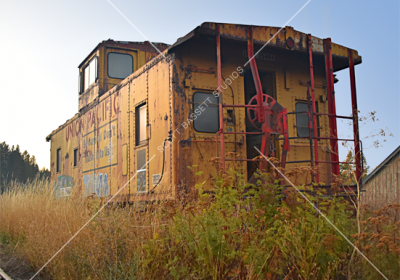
108, 64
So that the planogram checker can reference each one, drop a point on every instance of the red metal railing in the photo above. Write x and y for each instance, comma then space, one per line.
331, 105
357, 149
314, 118
312, 112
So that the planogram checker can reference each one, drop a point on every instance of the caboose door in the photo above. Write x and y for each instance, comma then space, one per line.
268, 87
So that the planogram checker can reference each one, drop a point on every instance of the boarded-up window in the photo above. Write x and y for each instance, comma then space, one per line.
141, 122
58, 163
141, 170
120, 65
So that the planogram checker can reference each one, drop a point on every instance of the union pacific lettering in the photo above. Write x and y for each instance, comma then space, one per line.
101, 113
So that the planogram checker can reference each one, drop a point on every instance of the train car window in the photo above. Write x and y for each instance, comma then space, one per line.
58, 163
120, 65
141, 122
141, 170
75, 157
205, 112
90, 74
302, 119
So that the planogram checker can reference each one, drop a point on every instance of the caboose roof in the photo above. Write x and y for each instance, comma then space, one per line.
275, 37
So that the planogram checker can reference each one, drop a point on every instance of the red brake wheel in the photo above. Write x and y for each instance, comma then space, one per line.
252, 112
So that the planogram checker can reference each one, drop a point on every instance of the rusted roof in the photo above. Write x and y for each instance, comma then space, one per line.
273, 37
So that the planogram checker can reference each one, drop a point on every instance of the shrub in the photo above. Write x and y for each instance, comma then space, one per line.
238, 231
380, 241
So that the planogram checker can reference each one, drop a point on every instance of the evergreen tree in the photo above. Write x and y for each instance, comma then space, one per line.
18, 166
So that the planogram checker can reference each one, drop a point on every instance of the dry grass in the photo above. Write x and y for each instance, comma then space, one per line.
224, 236
37, 224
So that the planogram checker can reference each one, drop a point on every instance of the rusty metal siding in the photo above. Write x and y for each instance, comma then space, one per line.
197, 54
158, 101
186, 83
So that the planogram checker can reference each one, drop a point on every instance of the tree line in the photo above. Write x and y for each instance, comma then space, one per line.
19, 166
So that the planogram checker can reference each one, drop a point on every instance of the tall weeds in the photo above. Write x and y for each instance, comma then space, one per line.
240, 231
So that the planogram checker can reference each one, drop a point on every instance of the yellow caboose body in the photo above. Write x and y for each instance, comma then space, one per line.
146, 114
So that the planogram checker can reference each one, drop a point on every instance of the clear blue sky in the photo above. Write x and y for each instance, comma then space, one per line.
43, 42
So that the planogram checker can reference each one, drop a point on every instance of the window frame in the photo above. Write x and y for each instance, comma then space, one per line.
317, 118
108, 64
82, 74
143, 169
193, 111
58, 160
137, 124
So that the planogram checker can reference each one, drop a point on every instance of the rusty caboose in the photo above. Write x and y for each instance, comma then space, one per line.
148, 111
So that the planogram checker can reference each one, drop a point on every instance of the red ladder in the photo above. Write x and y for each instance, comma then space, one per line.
266, 110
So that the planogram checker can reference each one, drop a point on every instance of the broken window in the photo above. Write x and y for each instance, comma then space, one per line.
205, 114
120, 65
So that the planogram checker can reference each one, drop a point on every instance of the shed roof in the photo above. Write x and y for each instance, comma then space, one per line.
382, 164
